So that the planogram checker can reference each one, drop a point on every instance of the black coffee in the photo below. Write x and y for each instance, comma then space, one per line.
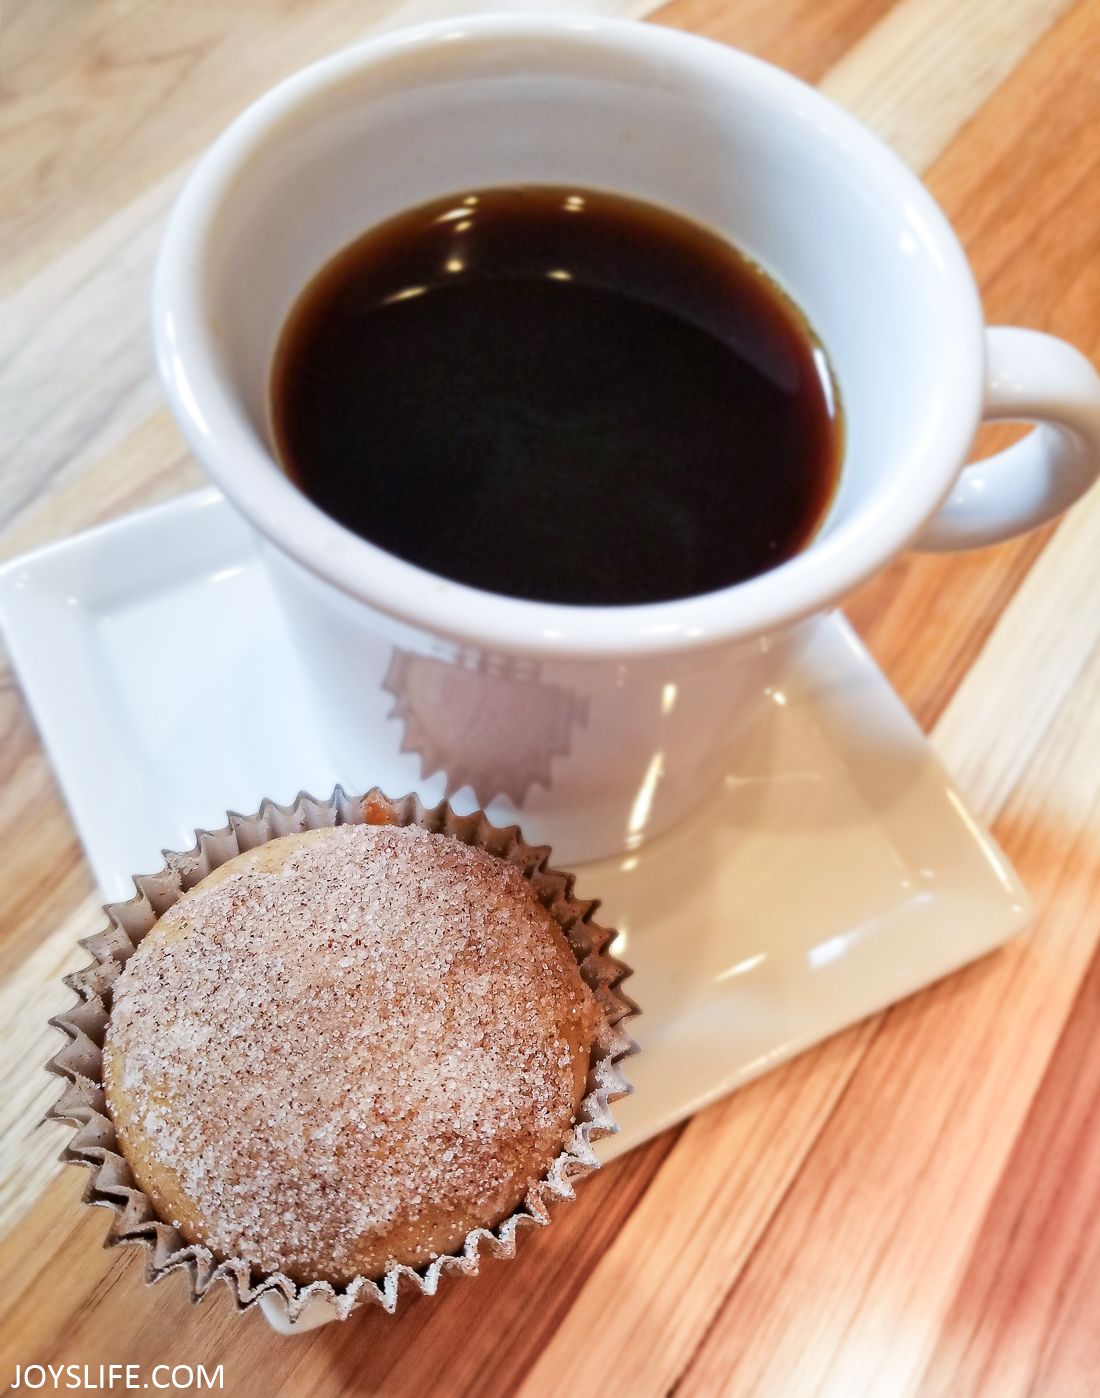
561, 395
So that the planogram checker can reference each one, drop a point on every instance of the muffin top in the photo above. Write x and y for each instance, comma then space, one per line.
347, 1048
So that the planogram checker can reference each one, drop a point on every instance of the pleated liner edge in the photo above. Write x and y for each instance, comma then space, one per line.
82, 1102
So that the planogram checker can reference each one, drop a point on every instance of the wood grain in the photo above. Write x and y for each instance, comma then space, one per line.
860, 1221
98, 103
1028, 214
862, 1261
76, 363
862, 1336
82, 445
658, 1286
804, 36
76, 369
95, 1311
149, 465
923, 72
1022, 192
43, 875
77, 374
952, 602
1043, 780
1023, 1322
29, 997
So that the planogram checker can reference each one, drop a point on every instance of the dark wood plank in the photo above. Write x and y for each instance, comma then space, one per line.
926, 617
1022, 187
1024, 1320
806, 37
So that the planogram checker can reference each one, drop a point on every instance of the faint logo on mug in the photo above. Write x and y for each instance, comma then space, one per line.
487, 721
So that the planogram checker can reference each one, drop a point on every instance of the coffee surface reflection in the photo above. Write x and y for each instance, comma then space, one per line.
560, 395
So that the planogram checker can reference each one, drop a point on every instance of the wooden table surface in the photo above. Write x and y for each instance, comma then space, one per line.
910, 1208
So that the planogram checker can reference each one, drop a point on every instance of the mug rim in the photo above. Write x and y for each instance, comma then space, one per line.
219, 432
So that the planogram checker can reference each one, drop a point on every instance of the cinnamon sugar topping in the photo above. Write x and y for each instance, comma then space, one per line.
350, 1052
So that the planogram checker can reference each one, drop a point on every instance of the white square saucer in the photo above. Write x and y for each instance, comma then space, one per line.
833, 870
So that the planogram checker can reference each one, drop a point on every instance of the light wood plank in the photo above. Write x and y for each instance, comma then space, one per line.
88, 309
76, 363
149, 465
101, 102
29, 1146
43, 874
920, 75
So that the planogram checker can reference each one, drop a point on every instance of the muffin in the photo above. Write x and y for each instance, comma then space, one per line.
347, 1048
357, 1040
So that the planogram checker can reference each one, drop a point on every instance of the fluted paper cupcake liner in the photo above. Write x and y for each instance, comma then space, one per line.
287, 1304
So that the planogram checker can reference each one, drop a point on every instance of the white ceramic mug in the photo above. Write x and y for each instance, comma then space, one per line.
598, 726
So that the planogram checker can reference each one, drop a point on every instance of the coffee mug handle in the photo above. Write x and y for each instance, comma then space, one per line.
1030, 377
